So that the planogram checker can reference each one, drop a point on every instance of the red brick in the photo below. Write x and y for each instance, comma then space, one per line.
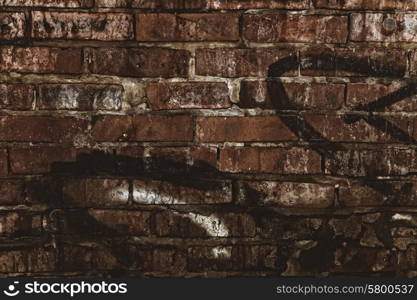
258, 4
13, 26
353, 62
336, 129
165, 192
360, 95
152, 128
41, 129
139, 62
228, 62
148, 128
376, 27
289, 194
16, 96
293, 96
40, 60
295, 28
243, 129
48, 3
153, 4
113, 128
38, 159
80, 96
367, 4
270, 160
11, 191
188, 95
82, 26
187, 27
371, 163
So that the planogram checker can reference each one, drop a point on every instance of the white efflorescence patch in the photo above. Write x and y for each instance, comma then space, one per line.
211, 224
401, 217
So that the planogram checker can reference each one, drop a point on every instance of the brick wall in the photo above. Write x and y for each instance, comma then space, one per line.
208, 138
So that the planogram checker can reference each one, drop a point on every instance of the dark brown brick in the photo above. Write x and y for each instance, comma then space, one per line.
153, 4
40, 60
367, 4
11, 191
187, 95
292, 96
38, 159
240, 62
259, 4
270, 160
41, 129
151, 128
187, 27
353, 62
295, 28
16, 96
289, 194
41, 259
243, 129
48, 3
81, 26
140, 62
339, 129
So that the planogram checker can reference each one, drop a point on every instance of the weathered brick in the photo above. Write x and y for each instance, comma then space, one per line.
295, 28
367, 4
291, 96
139, 62
40, 60
193, 224
20, 224
360, 96
378, 193
232, 258
48, 3
13, 26
153, 4
99, 221
240, 62
270, 160
413, 63
41, 129
376, 27
243, 129
11, 191
353, 62
16, 96
288, 194
41, 259
80, 96
371, 163
3, 162
143, 128
38, 159
81, 26
258, 4
199, 191
178, 95
338, 128
187, 27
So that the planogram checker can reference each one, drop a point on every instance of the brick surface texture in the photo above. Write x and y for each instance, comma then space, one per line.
208, 138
